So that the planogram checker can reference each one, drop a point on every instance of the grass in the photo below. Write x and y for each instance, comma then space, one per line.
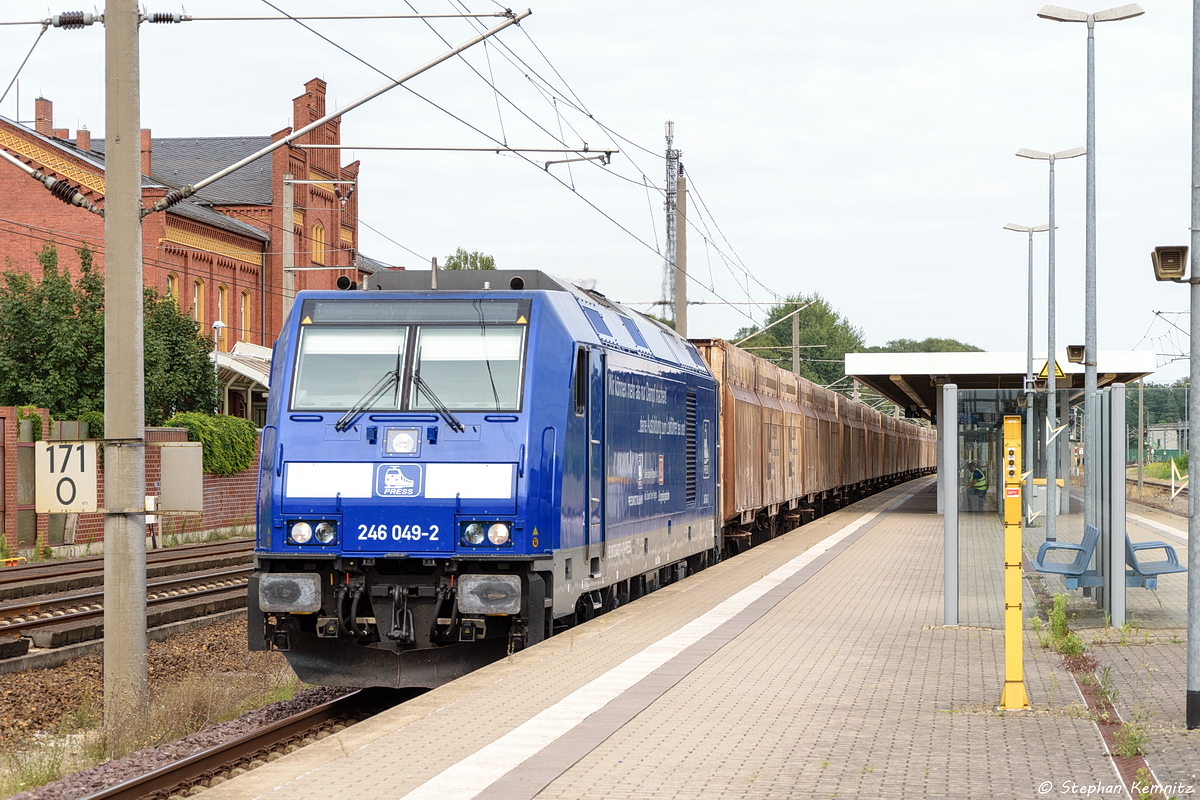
177, 710
173, 534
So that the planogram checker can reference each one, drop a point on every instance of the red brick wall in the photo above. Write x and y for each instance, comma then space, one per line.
228, 499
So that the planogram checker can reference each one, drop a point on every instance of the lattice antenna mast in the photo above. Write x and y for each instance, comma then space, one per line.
668, 283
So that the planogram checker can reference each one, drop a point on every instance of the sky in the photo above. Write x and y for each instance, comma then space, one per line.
864, 151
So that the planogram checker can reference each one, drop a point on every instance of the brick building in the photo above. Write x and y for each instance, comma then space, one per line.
220, 253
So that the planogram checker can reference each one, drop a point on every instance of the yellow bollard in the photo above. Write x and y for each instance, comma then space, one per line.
1014, 697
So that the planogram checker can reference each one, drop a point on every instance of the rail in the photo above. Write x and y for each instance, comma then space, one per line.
205, 764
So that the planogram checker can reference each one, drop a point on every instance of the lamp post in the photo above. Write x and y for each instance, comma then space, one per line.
1051, 378
218, 326
1170, 264
1091, 441
1029, 360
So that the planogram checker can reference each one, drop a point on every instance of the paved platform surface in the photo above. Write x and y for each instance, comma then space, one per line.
815, 665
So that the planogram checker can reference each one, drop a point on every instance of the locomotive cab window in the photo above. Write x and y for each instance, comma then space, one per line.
464, 368
581, 381
337, 367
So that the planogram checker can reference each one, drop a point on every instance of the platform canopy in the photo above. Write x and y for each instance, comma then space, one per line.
911, 380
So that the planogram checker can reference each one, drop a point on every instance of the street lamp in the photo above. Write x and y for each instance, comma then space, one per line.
1051, 378
1170, 264
218, 326
1091, 488
1028, 359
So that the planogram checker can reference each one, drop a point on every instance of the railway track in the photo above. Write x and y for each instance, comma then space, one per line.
84, 570
53, 604
217, 764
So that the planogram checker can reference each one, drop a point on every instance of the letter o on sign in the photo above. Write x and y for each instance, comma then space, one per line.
62, 493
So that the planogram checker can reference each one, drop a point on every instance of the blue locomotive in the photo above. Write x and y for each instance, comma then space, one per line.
450, 474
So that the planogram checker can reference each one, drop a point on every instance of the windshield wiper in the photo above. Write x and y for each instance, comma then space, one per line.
438, 405
390, 379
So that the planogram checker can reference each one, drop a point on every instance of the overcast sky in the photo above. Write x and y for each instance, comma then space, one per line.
861, 150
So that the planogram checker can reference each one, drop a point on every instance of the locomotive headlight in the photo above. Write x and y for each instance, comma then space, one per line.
402, 441
326, 532
301, 533
498, 533
473, 533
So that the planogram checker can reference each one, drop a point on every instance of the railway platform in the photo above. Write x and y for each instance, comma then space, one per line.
814, 665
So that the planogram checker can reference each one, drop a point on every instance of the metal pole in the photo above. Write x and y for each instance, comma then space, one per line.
1091, 426
948, 421
289, 244
681, 254
1193, 574
796, 349
1115, 593
1140, 433
1051, 392
125, 647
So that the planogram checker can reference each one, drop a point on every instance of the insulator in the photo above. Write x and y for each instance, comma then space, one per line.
71, 20
172, 197
64, 191
161, 17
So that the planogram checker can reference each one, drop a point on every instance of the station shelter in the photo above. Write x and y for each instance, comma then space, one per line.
967, 396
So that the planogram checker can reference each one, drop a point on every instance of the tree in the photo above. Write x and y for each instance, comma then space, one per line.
52, 337
179, 369
52, 346
473, 260
829, 334
929, 345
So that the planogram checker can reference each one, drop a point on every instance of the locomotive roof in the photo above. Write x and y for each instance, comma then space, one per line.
602, 320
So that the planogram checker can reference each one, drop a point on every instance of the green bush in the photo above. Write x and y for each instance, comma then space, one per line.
228, 441
95, 421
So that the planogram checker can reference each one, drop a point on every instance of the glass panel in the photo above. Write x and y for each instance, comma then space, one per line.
336, 367
470, 368
981, 490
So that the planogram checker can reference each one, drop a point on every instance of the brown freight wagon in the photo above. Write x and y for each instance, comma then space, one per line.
792, 450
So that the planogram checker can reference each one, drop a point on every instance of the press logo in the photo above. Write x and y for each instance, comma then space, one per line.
398, 480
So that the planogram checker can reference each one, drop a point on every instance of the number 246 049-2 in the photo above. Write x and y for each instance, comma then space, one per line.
397, 533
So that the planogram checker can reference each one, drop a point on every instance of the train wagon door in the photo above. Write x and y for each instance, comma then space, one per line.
595, 426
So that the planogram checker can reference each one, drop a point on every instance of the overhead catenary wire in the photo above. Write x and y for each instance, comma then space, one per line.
563, 93
459, 119
17, 74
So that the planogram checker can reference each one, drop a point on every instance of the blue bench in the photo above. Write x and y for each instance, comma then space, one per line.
1145, 573
1142, 574
1076, 571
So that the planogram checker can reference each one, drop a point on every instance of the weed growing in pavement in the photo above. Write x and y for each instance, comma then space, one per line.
1071, 644
1108, 692
1143, 778
1052, 688
1058, 618
1133, 737
1082, 664
1039, 630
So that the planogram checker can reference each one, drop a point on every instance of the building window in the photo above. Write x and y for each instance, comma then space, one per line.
318, 244
198, 301
173, 287
244, 316
222, 307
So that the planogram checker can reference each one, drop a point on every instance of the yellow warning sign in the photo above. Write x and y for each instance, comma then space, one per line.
308, 321
1044, 374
